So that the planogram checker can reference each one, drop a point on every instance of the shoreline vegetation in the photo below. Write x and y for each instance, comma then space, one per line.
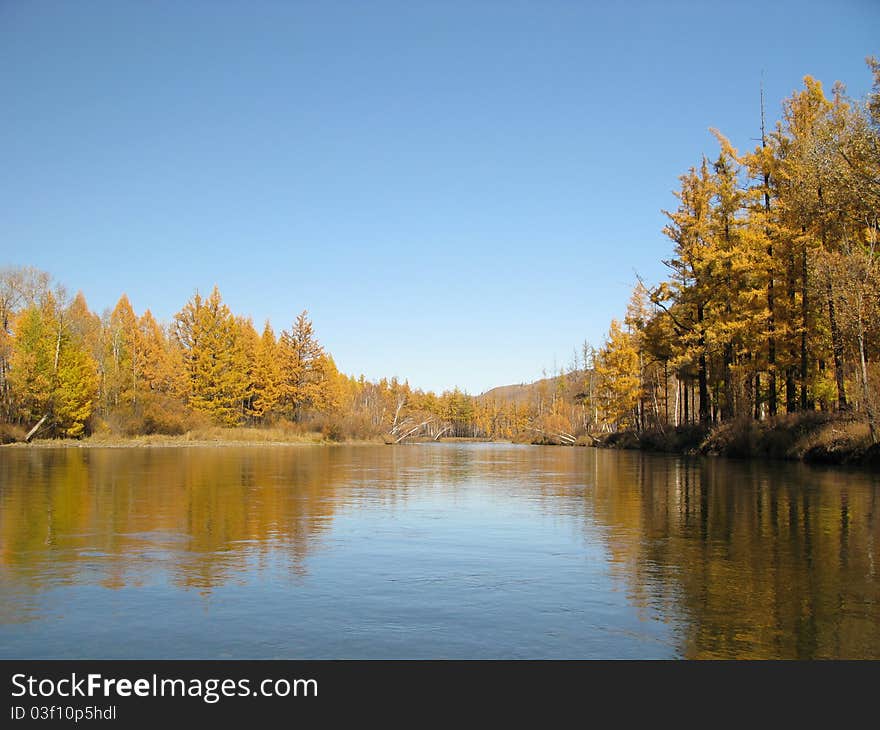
763, 341
810, 438
815, 438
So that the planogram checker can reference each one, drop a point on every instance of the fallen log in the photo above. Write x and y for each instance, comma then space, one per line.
413, 430
35, 428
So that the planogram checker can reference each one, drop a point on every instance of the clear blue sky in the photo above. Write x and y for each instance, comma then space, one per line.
458, 192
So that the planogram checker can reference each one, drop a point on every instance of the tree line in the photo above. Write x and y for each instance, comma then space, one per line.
771, 306
65, 371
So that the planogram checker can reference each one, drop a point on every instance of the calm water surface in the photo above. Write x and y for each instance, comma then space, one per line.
428, 551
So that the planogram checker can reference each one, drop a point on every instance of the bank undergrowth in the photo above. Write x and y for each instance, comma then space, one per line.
811, 437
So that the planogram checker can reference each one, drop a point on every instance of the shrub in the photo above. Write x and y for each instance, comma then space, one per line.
10, 433
154, 415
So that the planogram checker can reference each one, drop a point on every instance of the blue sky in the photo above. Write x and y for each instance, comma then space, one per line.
458, 192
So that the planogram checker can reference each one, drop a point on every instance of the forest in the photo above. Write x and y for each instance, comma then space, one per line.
770, 310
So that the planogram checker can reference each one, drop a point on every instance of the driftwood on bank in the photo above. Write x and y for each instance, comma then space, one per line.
565, 438
402, 430
413, 430
30, 434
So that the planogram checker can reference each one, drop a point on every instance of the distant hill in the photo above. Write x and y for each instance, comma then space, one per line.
522, 393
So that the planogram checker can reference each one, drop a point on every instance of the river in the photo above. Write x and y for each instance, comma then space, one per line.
459, 550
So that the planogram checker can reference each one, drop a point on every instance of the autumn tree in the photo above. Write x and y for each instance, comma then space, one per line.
51, 370
301, 360
161, 370
244, 354
267, 375
123, 360
618, 368
805, 226
692, 266
206, 334
20, 287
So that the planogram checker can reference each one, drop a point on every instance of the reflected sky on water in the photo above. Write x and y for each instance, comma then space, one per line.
436, 550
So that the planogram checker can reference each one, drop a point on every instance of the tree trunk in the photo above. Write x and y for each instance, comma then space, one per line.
666, 391
727, 409
836, 349
790, 370
676, 413
804, 315
772, 394
685, 390
36, 428
757, 396
702, 377
866, 392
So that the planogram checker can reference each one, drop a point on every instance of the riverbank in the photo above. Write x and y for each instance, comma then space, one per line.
813, 438
818, 438
214, 437
218, 437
